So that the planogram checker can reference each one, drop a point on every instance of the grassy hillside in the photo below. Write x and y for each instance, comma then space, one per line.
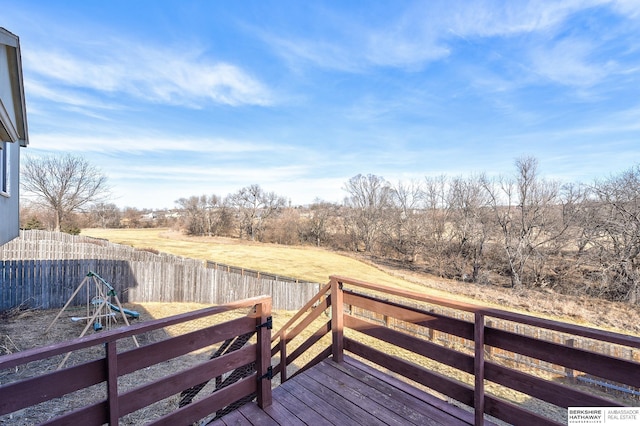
314, 264
306, 263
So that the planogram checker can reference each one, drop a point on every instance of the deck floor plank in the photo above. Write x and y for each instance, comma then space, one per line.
334, 395
234, 418
303, 411
397, 407
427, 405
281, 414
256, 416
348, 393
324, 409
353, 390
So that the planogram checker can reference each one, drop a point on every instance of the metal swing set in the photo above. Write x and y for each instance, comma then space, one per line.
101, 312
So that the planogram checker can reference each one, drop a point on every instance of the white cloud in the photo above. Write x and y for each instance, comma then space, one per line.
499, 18
38, 90
146, 143
568, 62
321, 53
176, 75
630, 8
199, 173
423, 33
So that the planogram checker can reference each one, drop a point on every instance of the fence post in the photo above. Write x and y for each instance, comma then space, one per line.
263, 363
337, 321
478, 366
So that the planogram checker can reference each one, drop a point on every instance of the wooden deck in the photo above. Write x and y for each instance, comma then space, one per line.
349, 393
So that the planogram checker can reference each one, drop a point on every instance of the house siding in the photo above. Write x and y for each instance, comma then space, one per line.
9, 208
13, 133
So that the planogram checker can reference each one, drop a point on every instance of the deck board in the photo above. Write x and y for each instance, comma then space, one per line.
337, 398
282, 415
356, 393
256, 416
348, 393
397, 408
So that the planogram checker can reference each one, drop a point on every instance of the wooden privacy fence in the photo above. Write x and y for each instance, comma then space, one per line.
41, 270
464, 373
110, 368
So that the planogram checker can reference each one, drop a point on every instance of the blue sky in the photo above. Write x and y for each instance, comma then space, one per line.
179, 98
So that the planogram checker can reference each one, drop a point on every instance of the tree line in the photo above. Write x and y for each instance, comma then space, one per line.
519, 230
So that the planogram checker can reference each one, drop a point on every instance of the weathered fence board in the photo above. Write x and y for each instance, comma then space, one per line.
42, 269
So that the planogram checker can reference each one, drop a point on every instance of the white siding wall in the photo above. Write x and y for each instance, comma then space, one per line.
9, 209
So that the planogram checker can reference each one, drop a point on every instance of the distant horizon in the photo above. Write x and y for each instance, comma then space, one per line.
340, 201
176, 98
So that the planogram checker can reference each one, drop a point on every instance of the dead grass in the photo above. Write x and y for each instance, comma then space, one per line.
315, 264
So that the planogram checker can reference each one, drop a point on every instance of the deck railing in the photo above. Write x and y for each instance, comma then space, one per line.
473, 377
251, 359
374, 322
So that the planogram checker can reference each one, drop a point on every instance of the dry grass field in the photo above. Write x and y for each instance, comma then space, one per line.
306, 263
316, 264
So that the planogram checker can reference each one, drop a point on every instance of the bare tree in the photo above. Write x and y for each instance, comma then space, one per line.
612, 229
64, 184
204, 215
105, 215
438, 212
406, 226
131, 217
530, 214
470, 223
254, 207
284, 228
316, 227
369, 196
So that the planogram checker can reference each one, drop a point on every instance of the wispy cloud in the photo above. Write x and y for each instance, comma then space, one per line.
227, 172
171, 75
118, 143
499, 18
426, 32
568, 62
355, 47
71, 99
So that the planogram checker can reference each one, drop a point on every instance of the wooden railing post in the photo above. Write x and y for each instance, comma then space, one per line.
112, 382
337, 320
478, 366
263, 362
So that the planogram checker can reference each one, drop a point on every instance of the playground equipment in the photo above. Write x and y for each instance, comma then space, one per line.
101, 312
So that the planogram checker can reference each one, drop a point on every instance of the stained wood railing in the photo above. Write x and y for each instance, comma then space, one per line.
470, 376
374, 322
107, 369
